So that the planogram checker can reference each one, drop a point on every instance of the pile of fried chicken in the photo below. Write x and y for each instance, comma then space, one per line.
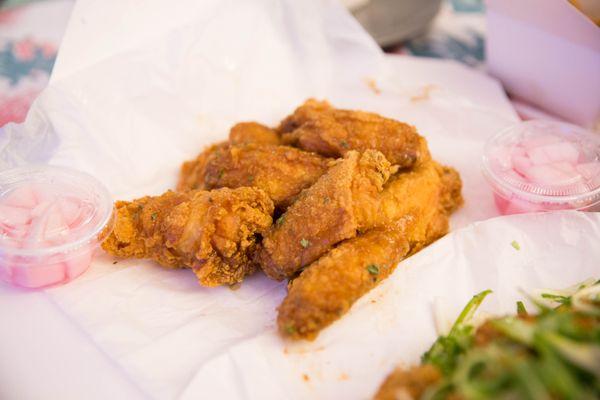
330, 199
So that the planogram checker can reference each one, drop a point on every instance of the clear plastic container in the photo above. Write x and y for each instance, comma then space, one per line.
51, 222
543, 166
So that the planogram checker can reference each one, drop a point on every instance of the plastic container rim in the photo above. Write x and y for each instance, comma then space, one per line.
593, 196
96, 229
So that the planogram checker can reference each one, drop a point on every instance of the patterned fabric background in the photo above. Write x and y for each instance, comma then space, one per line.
29, 38
30, 34
458, 32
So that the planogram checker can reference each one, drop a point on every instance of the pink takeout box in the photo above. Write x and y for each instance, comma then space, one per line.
547, 53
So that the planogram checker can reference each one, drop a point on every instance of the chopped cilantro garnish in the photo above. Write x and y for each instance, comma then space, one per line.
304, 243
154, 216
280, 220
373, 269
290, 329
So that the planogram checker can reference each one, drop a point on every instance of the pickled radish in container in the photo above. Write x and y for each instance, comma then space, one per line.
51, 222
542, 166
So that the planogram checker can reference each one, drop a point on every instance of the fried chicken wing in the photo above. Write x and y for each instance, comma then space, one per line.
191, 174
428, 193
326, 213
408, 384
318, 127
281, 171
328, 287
212, 232
411, 212
253, 132
415, 192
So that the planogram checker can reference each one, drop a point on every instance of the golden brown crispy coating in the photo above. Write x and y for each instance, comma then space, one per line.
253, 132
324, 214
452, 192
328, 287
191, 174
408, 384
281, 171
318, 127
429, 193
214, 233
411, 213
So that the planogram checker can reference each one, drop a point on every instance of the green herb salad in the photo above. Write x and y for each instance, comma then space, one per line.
552, 352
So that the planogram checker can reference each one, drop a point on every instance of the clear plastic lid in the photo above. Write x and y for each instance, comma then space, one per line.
46, 211
545, 162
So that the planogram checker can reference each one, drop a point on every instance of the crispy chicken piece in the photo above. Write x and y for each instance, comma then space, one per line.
325, 214
214, 233
281, 171
328, 287
318, 127
429, 193
452, 192
253, 132
411, 212
191, 174
408, 384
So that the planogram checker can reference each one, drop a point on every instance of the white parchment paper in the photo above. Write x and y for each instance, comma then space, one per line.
138, 88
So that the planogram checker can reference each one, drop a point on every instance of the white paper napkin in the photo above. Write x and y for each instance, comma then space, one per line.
133, 98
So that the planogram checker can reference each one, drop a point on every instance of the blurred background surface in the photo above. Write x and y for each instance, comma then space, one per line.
31, 30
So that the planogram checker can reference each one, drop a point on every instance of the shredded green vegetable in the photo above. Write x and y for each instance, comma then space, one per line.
554, 354
521, 310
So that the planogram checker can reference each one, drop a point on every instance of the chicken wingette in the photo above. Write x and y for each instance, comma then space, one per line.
326, 289
282, 172
212, 232
318, 127
328, 212
411, 212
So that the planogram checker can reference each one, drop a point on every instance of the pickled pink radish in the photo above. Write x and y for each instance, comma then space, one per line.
547, 174
539, 140
71, 210
40, 275
547, 160
521, 164
78, 264
14, 216
537, 156
50, 219
40, 208
22, 197
589, 170
45, 192
562, 152
541, 166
